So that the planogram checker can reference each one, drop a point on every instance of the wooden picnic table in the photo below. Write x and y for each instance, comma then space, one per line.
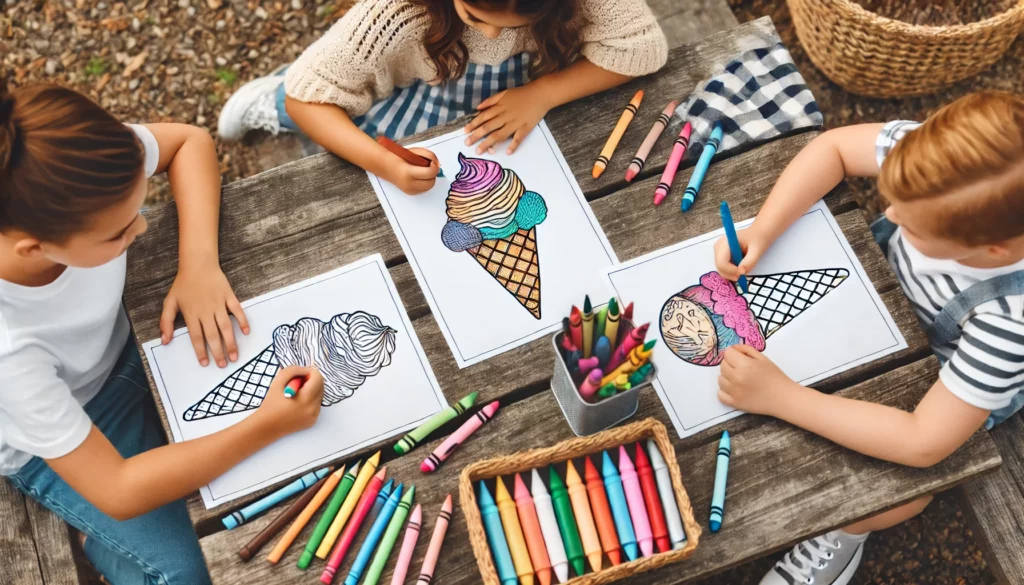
319, 213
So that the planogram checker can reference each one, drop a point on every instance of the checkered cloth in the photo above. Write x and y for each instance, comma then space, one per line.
759, 96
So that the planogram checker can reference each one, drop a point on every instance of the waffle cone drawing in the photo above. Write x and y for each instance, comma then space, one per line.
776, 299
514, 263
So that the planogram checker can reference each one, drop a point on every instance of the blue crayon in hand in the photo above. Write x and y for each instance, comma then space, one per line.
701, 169
620, 509
721, 474
239, 517
734, 241
373, 537
496, 538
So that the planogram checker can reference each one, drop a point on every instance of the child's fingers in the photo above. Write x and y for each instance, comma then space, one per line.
288, 374
212, 334
747, 351
426, 154
195, 334
227, 332
485, 131
517, 139
478, 121
423, 173
167, 319
491, 100
499, 134
236, 309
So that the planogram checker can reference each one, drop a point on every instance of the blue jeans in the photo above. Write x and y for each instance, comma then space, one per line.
158, 548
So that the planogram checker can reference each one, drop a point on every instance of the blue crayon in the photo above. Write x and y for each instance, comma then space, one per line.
603, 351
496, 538
382, 498
620, 509
710, 148
734, 241
237, 518
721, 474
373, 537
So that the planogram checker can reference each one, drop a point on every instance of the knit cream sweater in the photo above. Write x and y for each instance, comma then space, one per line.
378, 46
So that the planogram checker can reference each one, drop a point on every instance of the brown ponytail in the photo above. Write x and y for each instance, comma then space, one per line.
62, 159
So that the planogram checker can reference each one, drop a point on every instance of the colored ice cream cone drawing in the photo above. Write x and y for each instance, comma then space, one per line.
701, 321
347, 349
493, 218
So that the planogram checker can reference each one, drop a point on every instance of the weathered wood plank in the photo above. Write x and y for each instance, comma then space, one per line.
18, 555
777, 493
995, 503
53, 544
686, 22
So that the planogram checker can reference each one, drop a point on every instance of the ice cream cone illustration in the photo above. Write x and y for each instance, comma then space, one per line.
701, 321
493, 217
347, 349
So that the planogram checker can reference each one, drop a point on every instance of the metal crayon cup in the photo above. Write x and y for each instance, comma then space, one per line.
586, 418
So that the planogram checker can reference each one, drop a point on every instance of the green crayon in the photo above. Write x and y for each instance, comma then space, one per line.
566, 522
638, 376
607, 391
387, 542
600, 320
324, 524
410, 441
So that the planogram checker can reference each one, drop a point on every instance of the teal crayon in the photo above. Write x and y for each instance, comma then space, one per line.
410, 441
701, 169
603, 350
373, 537
721, 476
496, 538
735, 250
620, 509
566, 521
239, 517
641, 374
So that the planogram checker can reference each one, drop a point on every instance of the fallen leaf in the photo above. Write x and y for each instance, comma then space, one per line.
134, 64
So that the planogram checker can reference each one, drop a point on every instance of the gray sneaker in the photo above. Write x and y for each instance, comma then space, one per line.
831, 559
252, 107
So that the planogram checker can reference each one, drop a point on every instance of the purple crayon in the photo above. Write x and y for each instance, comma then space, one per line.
588, 364
673, 164
444, 450
635, 338
592, 384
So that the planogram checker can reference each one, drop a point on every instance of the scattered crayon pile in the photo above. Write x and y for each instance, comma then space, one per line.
614, 513
603, 352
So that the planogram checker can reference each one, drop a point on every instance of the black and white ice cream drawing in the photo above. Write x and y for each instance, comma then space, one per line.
348, 349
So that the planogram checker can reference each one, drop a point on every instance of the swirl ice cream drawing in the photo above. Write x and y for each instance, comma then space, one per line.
701, 321
494, 218
347, 349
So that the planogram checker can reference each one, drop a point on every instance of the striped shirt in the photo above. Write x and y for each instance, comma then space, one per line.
985, 366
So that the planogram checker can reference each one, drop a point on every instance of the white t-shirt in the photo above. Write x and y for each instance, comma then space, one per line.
58, 345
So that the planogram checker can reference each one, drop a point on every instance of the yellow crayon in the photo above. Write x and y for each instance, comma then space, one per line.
636, 358
369, 468
613, 141
622, 382
584, 517
514, 534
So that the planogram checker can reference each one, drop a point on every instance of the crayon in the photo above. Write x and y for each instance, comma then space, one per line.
348, 536
635, 501
592, 384
735, 250
649, 487
637, 358
701, 168
721, 476
513, 533
576, 327
329, 515
584, 517
620, 128
292, 388
611, 326
436, 541
652, 137
566, 521
566, 332
672, 167
412, 534
602, 512
373, 537
572, 362
627, 314
603, 350
410, 441
298, 507
634, 339
496, 538
607, 391
549, 527
567, 347
445, 449
587, 365
673, 520
531, 531
622, 383
387, 542
599, 321
239, 517
382, 498
312, 505
637, 377
588, 327
364, 477
406, 154
620, 509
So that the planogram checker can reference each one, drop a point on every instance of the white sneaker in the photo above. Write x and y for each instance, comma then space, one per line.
252, 107
831, 559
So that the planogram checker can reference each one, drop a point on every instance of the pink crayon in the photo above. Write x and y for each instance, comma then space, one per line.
412, 533
592, 384
635, 501
434, 548
673, 164
635, 338
444, 450
645, 148
588, 364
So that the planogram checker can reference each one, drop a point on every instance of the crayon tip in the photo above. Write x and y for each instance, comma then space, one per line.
440, 173
613, 306
578, 566
686, 204
519, 489
714, 525
630, 174
587, 307
650, 345
425, 467
659, 196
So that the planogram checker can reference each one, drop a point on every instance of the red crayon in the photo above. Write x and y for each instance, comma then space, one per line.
576, 326
588, 364
635, 338
602, 512
354, 523
592, 384
649, 487
627, 315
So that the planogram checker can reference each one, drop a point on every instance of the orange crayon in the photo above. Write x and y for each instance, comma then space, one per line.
613, 141
513, 533
602, 512
530, 523
304, 517
584, 517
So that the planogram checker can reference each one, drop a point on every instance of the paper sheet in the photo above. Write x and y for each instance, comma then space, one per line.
810, 307
378, 380
501, 250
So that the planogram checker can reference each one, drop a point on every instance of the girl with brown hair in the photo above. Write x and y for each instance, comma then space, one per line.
398, 67
79, 431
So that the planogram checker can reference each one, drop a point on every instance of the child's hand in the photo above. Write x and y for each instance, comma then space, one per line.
283, 416
512, 113
204, 297
751, 382
411, 179
752, 252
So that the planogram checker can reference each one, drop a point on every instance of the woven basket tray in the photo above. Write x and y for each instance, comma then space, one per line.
871, 55
536, 458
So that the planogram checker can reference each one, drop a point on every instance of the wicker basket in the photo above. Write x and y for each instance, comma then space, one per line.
875, 56
525, 461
